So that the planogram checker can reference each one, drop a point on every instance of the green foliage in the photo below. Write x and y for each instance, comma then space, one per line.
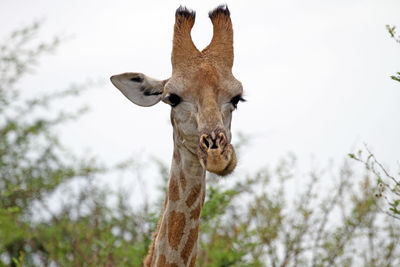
396, 77
393, 34
262, 222
388, 185
35, 167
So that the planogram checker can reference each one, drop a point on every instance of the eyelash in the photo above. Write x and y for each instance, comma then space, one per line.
235, 100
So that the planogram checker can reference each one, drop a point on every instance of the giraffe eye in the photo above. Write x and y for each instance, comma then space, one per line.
236, 99
172, 99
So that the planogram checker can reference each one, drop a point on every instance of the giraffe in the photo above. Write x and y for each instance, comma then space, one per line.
202, 93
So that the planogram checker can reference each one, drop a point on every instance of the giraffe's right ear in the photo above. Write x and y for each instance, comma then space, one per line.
138, 88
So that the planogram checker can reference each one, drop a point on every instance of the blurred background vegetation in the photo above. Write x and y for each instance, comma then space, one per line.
346, 216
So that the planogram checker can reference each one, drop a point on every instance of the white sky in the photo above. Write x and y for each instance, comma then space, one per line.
315, 73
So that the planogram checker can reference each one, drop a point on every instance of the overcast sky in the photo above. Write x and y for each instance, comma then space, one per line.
315, 73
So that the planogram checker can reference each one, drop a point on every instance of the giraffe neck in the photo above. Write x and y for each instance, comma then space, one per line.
175, 241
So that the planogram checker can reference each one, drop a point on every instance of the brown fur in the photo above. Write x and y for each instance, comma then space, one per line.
182, 180
173, 189
195, 213
176, 225
193, 261
220, 49
162, 262
187, 250
177, 156
183, 47
149, 258
194, 194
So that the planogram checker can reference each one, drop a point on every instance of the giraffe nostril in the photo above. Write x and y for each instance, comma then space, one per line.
206, 143
213, 141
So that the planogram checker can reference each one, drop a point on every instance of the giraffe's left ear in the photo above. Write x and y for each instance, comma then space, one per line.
138, 88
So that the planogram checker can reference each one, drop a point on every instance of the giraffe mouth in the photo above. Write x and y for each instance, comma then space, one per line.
221, 161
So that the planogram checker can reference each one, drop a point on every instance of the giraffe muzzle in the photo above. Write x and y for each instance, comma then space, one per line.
216, 154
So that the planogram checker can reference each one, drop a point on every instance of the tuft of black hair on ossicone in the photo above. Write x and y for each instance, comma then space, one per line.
222, 9
185, 12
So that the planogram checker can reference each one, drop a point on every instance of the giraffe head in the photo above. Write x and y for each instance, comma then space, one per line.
202, 91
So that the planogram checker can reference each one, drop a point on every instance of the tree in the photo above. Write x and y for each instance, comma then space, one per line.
261, 221
34, 166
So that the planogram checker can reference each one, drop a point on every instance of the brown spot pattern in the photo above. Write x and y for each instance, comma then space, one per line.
182, 180
173, 189
149, 258
194, 194
192, 239
195, 213
176, 225
162, 262
193, 261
